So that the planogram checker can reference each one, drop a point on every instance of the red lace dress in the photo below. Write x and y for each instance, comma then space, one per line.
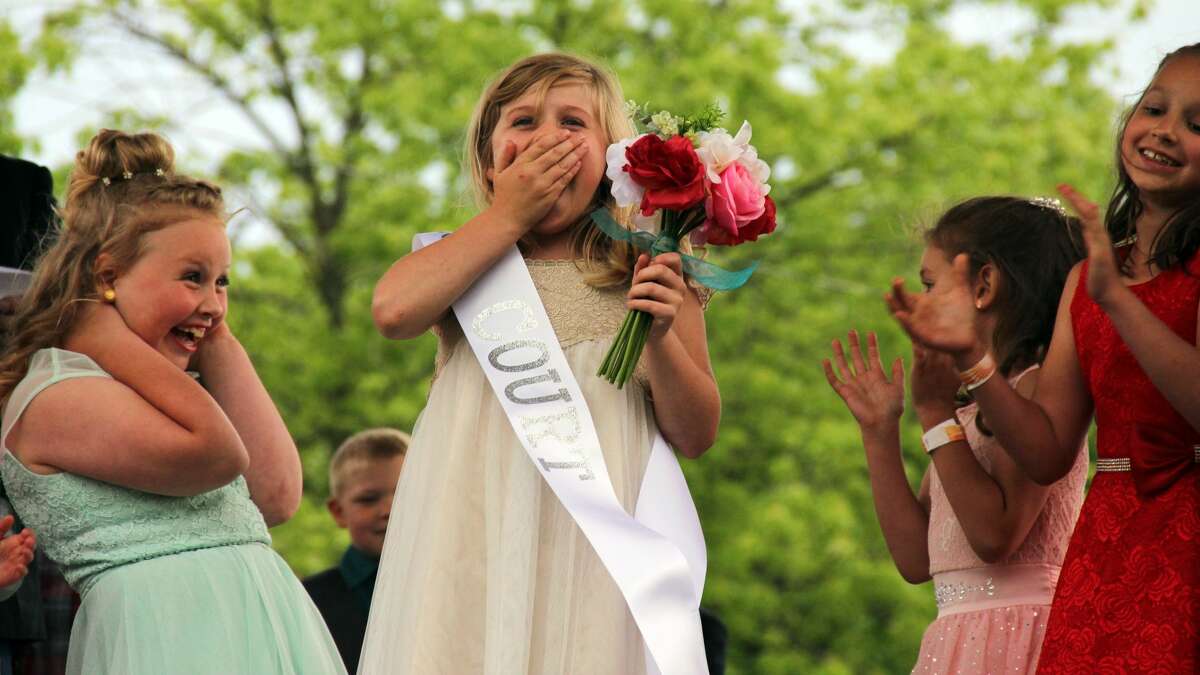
1127, 599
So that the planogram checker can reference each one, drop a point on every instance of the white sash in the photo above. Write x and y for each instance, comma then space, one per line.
657, 557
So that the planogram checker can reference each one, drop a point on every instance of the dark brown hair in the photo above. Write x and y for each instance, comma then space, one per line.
1033, 245
1179, 238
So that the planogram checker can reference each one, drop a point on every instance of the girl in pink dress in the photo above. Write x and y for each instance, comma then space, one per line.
990, 538
1124, 354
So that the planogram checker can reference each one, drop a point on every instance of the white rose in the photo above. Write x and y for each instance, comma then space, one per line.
718, 150
625, 192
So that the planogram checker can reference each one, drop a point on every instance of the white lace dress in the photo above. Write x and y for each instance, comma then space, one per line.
483, 570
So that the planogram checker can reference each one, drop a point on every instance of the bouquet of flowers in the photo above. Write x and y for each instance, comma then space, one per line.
700, 182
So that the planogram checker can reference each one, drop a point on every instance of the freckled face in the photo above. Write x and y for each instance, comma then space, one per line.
570, 105
176, 291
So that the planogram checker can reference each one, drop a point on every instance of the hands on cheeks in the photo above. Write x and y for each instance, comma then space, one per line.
875, 401
205, 356
1104, 275
658, 289
15, 552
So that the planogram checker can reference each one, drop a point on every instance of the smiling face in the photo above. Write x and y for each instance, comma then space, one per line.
176, 290
570, 105
364, 504
1160, 147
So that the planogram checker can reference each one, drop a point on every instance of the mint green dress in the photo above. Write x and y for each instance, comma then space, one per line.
177, 585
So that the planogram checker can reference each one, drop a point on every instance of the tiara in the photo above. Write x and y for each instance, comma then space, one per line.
127, 175
1051, 203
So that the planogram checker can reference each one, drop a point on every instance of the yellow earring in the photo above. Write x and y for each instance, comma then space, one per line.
110, 295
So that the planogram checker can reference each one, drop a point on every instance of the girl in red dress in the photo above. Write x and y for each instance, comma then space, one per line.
1125, 350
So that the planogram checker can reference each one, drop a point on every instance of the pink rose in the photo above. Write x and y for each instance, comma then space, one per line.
751, 231
737, 200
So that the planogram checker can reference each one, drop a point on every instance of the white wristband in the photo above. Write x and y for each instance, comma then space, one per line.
941, 434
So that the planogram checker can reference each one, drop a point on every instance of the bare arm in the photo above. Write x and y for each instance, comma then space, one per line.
1043, 434
877, 405
151, 428
1171, 363
419, 288
274, 474
903, 517
996, 509
687, 404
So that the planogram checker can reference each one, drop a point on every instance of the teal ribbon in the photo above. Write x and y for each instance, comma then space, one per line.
704, 273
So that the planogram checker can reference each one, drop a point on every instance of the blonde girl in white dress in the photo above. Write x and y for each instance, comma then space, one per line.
483, 569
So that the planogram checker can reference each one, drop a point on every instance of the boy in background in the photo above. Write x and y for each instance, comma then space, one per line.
362, 482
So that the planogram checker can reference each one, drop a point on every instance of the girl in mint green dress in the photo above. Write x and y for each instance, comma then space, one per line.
151, 490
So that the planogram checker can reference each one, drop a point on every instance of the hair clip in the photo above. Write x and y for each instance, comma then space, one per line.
1051, 203
128, 175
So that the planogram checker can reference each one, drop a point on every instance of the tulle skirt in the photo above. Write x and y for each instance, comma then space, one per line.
233, 610
990, 620
483, 570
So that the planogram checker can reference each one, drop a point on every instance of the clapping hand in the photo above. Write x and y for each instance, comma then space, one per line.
15, 553
875, 401
935, 383
942, 319
1104, 276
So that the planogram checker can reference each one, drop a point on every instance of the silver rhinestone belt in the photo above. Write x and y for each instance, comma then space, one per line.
1124, 463
945, 594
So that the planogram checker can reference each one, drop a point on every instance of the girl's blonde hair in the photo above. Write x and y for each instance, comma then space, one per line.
122, 187
607, 262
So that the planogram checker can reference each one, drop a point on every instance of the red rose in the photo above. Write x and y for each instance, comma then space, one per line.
671, 172
751, 231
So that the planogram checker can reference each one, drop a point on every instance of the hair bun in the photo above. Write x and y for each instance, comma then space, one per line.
113, 154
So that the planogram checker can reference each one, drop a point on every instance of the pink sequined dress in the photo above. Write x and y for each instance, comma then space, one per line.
991, 618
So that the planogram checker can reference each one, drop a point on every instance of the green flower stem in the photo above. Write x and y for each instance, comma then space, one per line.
622, 358
637, 342
611, 356
612, 360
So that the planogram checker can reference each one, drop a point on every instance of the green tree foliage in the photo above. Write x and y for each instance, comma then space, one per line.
375, 97
15, 64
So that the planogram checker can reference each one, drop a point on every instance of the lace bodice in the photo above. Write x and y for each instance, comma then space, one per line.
88, 526
578, 312
1047, 539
